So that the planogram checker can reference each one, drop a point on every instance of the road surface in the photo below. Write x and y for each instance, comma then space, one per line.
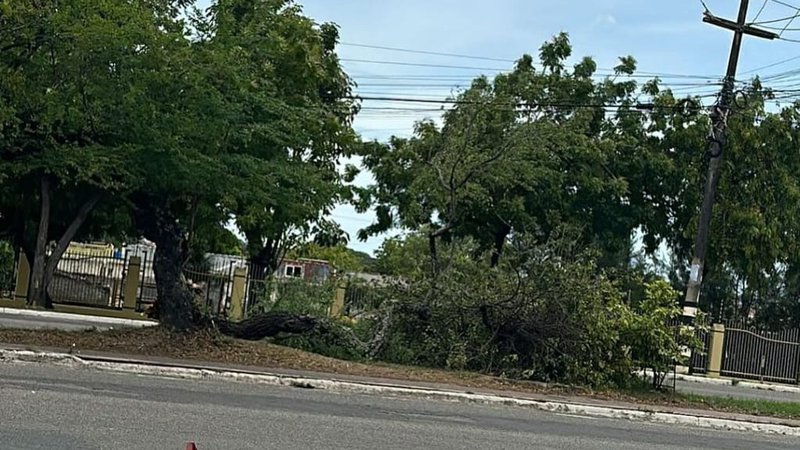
74, 322
47, 407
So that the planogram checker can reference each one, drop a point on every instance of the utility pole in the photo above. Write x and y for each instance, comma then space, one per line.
716, 147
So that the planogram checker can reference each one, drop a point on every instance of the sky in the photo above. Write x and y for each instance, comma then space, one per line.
665, 36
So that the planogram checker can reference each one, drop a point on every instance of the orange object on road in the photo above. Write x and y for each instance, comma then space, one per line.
191, 446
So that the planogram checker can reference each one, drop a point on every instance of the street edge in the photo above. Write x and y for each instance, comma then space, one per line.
70, 317
606, 412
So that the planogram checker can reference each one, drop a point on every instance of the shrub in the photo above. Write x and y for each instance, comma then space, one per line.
545, 313
650, 333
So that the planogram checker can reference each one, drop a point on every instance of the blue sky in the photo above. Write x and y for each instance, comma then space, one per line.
663, 35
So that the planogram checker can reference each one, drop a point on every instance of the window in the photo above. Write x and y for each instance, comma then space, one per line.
294, 272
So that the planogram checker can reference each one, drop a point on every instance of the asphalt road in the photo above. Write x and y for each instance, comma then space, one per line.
36, 322
47, 407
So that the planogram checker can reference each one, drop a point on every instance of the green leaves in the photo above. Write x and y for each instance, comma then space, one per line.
526, 151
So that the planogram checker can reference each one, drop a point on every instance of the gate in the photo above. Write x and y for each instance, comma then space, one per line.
761, 355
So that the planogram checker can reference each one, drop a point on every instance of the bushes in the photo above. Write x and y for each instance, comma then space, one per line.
546, 313
653, 344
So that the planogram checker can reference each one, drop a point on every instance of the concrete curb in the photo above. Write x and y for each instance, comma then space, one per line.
607, 412
68, 317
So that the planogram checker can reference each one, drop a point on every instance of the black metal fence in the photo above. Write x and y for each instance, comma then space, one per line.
761, 355
213, 283
363, 298
89, 280
698, 358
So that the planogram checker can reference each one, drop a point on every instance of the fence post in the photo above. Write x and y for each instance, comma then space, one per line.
23, 277
238, 293
715, 349
131, 283
337, 307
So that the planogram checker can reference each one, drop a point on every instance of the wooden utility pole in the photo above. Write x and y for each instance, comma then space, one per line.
716, 147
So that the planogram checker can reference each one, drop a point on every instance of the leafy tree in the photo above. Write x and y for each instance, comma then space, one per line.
65, 101
527, 152
755, 235
341, 257
249, 120
306, 124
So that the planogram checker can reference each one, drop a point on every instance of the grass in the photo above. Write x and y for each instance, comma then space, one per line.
787, 410
211, 347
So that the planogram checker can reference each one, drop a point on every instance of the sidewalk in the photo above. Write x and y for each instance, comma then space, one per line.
555, 403
54, 318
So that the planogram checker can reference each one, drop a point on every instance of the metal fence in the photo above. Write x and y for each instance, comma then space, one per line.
761, 355
363, 298
213, 283
698, 362
698, 359
89, 280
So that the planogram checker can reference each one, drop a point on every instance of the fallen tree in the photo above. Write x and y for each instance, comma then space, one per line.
266, 325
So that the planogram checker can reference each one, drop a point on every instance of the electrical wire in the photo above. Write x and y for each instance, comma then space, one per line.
498, 69
426, 52
788, 5
489, 58
769, 66
763, 5
413, 100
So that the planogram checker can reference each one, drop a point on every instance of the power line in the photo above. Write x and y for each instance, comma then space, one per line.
763, 5
485, 58
427, 52
789, 23
498, 69
768, 66
403, 63
640, 106
788, 5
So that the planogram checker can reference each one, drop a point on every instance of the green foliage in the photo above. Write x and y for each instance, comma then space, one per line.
529, 151
403, 257
341, 257
544, 314
295, 296
651, 334
332, 339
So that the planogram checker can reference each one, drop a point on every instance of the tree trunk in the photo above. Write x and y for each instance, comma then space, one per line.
63, 243
175, 302
36, 295
499, 242
267, 325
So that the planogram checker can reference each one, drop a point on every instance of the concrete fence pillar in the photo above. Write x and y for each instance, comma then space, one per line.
337, 307
131, 283
238, 293
715, 350
23, 278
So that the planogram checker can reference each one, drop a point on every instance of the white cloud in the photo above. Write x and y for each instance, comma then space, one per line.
606, 19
